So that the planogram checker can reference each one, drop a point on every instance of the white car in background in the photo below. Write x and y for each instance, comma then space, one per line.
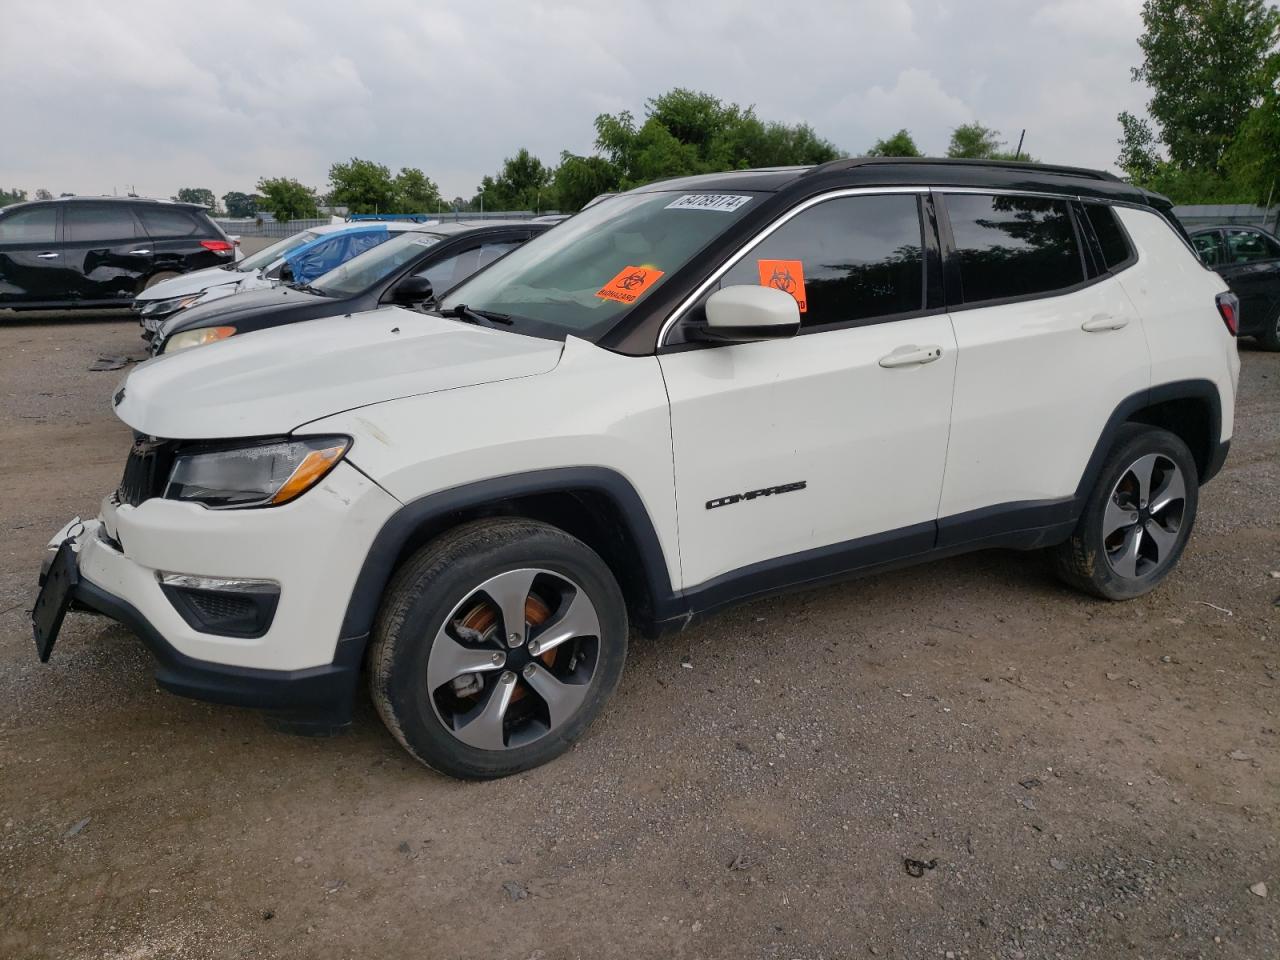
299, 258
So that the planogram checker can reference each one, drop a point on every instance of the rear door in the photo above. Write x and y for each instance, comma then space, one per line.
1049, 346
31, 264
180, 238
797, 459
105, 251
1252, 270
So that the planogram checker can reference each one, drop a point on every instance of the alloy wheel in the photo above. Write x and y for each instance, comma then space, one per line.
514, 660
1143, 516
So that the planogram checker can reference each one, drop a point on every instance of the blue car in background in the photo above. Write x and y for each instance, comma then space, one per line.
298, 259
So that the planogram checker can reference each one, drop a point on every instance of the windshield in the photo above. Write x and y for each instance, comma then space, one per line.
274, 252
359, 273
582, 277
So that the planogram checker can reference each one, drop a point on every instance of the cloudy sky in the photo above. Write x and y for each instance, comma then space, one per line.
166, 95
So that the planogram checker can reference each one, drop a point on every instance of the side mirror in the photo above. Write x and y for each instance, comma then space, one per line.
744, 313
285, 273
412, 289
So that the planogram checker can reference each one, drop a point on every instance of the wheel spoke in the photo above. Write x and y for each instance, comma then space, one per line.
1163, 539
562, 699
1169, 492
484, 730
1125, 560
510, 591
1142, 471
578, 620
449, 659
1116, 517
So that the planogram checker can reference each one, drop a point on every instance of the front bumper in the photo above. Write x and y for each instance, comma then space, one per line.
313, 548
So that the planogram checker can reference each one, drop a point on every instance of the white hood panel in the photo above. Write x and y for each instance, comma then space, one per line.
193, 282
273, 381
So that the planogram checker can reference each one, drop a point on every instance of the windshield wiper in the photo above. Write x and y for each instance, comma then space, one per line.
484, 318
308, 288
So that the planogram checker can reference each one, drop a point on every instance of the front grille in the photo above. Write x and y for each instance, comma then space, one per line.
146, 471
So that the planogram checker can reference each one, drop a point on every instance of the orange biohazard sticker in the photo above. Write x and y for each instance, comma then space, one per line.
629, 284
784, 275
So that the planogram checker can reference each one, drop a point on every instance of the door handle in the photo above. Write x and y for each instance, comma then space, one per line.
1102, 322
140, 252
911, 355
45, 256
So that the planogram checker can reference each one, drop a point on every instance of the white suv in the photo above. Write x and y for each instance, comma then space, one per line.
686, 396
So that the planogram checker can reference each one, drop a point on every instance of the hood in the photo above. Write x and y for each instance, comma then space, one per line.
277, 380
259, 303
188, 283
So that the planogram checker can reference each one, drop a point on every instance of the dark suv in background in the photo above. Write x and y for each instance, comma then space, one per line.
1249, 260
101, 251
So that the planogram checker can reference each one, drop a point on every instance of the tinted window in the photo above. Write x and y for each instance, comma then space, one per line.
1209, 246
1111, 238
448, 273
1245, 246
1013, 246
82, 222
36, 225
168, 222
846, 260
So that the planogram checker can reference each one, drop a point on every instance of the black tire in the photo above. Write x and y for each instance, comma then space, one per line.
1086, 561
159, 278
430, 588
1269, 338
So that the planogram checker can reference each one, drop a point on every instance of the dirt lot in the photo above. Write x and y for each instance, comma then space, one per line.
1093, 780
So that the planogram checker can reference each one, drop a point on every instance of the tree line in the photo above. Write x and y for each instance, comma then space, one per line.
1213, 68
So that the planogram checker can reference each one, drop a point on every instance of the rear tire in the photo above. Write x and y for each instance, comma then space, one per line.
159, 278
1269, 339
472, 696
1137, 518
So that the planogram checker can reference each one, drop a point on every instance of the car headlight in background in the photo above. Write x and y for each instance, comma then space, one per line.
153, 308
262, 475
196, 338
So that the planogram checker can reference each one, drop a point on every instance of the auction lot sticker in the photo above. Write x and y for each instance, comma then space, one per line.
784, 275
629, 284
720, 202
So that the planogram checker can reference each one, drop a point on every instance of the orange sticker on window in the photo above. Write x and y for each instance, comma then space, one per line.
784, 275
629, 284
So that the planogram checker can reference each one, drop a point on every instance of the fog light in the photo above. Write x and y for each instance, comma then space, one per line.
223, 606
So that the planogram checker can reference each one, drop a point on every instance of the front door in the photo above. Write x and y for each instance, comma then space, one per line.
31, 263
797, 459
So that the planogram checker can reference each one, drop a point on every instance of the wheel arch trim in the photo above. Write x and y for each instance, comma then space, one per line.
397, 531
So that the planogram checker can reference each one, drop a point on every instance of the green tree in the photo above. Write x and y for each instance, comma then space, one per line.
1253, 159
362, 186
1204, 61
578, 180
1138, 155
899, 145
197, 195
43, 194
287, 199
12, 196
415, 192
974, 141
523, 183
239, 204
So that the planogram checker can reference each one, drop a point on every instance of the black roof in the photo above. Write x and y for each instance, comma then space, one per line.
146, 200
932, 171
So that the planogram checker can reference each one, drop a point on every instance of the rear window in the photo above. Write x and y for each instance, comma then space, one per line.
170, 222
35, 225
1013, 246
88, 223
1246, 246
1111, 239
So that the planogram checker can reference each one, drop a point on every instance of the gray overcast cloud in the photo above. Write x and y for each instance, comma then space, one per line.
166, 95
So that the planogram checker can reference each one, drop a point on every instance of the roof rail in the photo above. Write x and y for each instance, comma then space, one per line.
848, 163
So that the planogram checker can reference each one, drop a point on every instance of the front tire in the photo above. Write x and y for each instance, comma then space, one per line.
1137, 518
473, 696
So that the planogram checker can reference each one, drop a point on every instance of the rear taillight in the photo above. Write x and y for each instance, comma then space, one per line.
217, 246
1229, 307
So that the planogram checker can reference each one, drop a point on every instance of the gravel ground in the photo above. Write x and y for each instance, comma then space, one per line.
1073, 778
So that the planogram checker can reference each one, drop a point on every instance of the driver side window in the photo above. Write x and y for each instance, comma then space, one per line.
448, 273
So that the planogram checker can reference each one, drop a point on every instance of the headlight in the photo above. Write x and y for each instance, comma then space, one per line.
196, 338
263, 475
151, 308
